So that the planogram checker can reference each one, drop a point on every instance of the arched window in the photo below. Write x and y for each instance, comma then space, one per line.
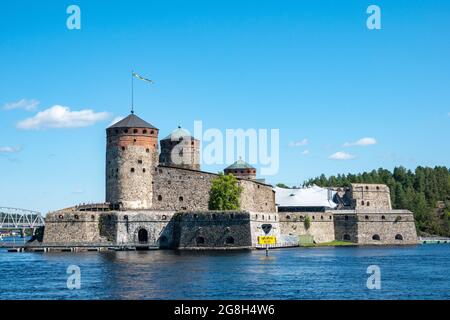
367, 187
362, 202
200, 240
398, 237
229, 240
159, 198
321, 217
383, 217
147, 150
135, 131
346, 237
368, 203
123, 148
151, 132
180, 199
164, 217
367, 217
376, 237
144, 131
132, 169
143, 170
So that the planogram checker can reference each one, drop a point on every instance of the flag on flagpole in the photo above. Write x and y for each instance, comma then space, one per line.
142, 78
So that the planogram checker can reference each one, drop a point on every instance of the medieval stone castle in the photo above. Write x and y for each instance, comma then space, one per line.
155, 200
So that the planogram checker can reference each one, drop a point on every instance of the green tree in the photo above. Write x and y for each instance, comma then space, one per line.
225, 193
282, 185
307, 223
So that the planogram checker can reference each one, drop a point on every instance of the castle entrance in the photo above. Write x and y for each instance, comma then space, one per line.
143, 236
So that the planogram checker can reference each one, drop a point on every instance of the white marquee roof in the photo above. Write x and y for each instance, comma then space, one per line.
313, 196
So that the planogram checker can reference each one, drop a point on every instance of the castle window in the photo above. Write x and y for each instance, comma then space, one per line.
117, 131
376, 237
346, 237
77, 217
378, 188
159, 198
331, 217
398, 237
263, 217
135, 131
192, 143
314, 218
368, 203
92, 217
134, 140
383, 217
123, 148
321, 217
144, 131
367, 217
229, 240
367, 187
151, 132
143, 170
140, 161
126, 130
164, 217
288, 217
200, 240
346, 217
125, 217
258, 186
181, 199
362, 202
231, 216
132, 170
147, 150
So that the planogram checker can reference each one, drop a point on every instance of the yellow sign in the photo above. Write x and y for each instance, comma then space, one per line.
267, 240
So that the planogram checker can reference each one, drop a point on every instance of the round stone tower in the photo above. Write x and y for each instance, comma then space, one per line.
242, 170
131, 158
180, 149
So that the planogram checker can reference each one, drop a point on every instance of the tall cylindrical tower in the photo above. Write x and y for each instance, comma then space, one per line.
180, 149
131, 158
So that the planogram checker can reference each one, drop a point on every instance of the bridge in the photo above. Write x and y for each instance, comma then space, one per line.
20, 219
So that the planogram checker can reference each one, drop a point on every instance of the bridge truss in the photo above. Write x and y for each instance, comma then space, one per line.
14, 218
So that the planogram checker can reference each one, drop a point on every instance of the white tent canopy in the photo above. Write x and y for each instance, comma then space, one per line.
313, 196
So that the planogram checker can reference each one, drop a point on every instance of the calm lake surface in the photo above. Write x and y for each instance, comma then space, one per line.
420, 272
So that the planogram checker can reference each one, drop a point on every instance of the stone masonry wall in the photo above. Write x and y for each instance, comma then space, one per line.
321, 228
389, 227
212, 230
179, 189
370, 197
73, 227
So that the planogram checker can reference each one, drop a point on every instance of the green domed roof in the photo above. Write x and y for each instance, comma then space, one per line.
240, 164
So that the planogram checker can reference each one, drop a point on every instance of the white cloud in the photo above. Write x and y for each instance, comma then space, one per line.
115, 120
361, 142
62, 117
10, 149
28, 105
299, 143
305, 152
341, 156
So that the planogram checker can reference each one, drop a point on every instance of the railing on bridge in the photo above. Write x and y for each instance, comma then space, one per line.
14, 218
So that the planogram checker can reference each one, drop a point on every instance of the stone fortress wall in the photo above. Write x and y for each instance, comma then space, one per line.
180, 189
321, 228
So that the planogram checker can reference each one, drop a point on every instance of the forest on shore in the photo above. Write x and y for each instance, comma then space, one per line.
424, 191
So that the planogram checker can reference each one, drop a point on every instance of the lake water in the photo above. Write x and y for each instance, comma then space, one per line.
419, 272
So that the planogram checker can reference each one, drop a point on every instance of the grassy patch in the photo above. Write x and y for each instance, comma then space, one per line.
335, 243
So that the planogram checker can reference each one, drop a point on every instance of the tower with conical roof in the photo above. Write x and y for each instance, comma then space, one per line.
241, 169
131, 158
180, 149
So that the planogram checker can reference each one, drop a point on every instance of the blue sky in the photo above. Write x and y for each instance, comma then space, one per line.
309, 68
